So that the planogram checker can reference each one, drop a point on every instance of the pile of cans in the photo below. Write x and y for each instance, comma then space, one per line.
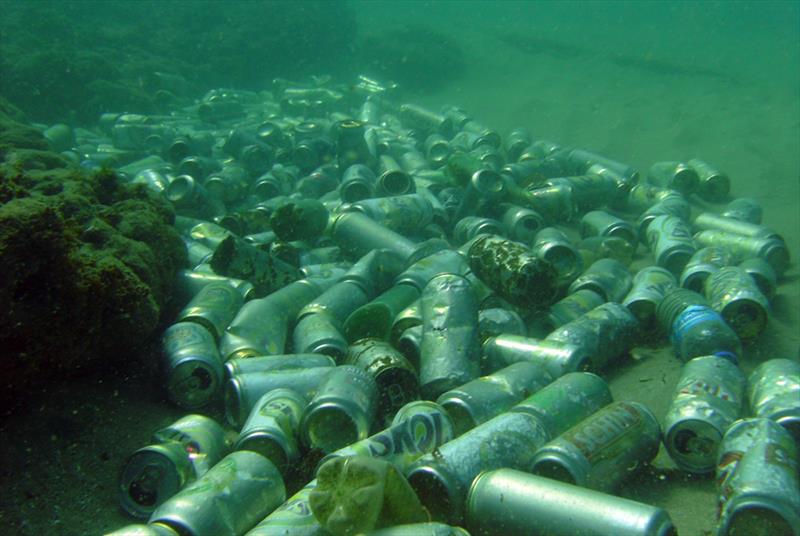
373, 278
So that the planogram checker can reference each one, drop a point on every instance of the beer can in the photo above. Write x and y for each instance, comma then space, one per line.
156, 529
671, 205
607, 277
213, 307
242, 391
418, 428
714, 185
392, 179
406, 214
734, 295
267, 363
410, 343
469, 227
419, 117
605, 333
762, 273
757, 480
272, 428
292, 518
603, 449
594, 248
772, 392
319, 333
708, 221
670, 240
342, 410
567, 401
190, 283
395, 377
601, 223
516, 142
508, 501
702, 264
437, 149
553, 200
193, 364
419, 529
674, 176
374, 319
409, 317
557, 358
494, 321
650, 284
744, 209
228, 500
708, 398
521, 224
642, 196
358, 182
450, 350
572, 306
479, 400
553, 246
772, 250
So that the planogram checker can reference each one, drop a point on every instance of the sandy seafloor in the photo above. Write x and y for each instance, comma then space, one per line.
738, 106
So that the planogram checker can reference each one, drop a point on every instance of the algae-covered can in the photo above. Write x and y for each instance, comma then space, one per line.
708, 398
702, 264
772, 391
772, 250
228, 500
194, 367
507, 501
757, 480
762, 273
272, 428
342, 410
734, 295
601, 451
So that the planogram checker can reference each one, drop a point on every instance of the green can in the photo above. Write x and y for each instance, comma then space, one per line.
772, 391
734, 295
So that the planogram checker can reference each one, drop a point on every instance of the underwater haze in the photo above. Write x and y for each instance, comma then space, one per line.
638, 82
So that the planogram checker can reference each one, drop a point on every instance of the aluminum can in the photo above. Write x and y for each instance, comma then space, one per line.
242, 391
469, 227
521, 224
517, 275
417, 429
601, 223
708, 221
249, 335
603, 449
228, 500
650, 284
342, 410
392, 179
419, 529
214, 307
272, 428
772, 392
406, 214
358, 182
319, 333
734, 295
605, 333
442, 478
395, 377
763, 274
607, 277
589, 191
484, 186
670, 240
674, 176
744, 209
702, 264
190, 283
642, 196
152, 475
516, 142
156, 529
572, 306
293, 518
267, 363
557, 358
741, 247
193, 365
477, 401
553, 200
351, 144
486, 136
671, 205
708, 398
409, 317
757, 480
553, 246
374, 319
507, 501
494, 321
410, 343
426, 120
594, 248
714, 185
437, 149
450, 350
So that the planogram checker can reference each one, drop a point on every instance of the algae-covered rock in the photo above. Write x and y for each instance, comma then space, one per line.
87, 267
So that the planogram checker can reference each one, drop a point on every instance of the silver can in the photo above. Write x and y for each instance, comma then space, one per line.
708, 221
608, 277
773, 392
772, 250
553, 246
744, 209
557, 358
342, 410
603, 449
521, 224
193, 364
213, 308
674, 175
506, 501
763, 274
272, 428
267, 363
494, 321
572, 306
601, 223
650, 284
228, 500
736, 297
319, 333
708, 398
714, 185
293, 518
670, 240
702, 264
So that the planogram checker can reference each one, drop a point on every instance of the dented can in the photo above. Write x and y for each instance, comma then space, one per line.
773, 392
708, 398
194, 366
603, 449
734, 295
